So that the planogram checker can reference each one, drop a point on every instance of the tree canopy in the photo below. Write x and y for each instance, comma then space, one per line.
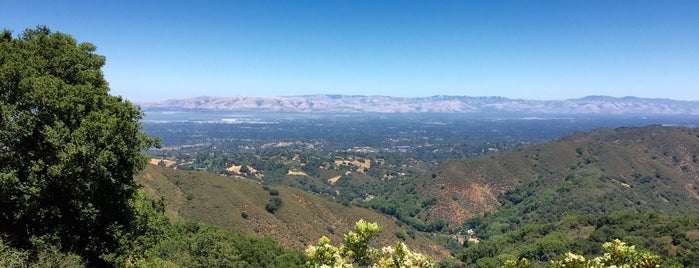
68, 149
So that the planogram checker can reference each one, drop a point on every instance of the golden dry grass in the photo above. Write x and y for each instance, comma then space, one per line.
301, 220
156, 161
235, 169
333, 180
296, 173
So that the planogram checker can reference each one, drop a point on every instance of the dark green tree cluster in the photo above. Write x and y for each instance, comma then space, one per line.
68, 149
407, 207
273, 204
191, 244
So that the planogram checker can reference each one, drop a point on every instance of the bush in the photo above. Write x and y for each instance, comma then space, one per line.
401, 235
273, 204
49, 257
356, 251
11, 257
209, 246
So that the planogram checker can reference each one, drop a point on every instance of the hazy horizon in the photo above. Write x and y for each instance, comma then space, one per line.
548, 50
416, 97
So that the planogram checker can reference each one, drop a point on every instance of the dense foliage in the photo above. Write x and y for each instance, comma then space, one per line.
673, 238
48, 257
407, 206
191, 244
68, 149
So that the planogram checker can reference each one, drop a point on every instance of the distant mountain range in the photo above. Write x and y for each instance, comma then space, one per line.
435, 104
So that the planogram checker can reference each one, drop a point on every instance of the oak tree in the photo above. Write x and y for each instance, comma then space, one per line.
68, 149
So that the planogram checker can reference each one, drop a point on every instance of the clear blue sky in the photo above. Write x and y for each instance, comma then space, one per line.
517, 49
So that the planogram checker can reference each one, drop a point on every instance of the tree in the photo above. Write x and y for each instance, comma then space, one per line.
68, 149
273, 204
244, 169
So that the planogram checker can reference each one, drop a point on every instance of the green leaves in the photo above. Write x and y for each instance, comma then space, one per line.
68, 149
357, 242
273, 204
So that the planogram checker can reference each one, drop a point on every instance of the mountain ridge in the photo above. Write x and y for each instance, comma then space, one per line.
596, 172
431, 104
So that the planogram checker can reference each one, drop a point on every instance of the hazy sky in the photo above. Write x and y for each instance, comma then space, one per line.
517, 49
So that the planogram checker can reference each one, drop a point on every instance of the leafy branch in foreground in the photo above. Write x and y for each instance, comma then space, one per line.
616, 254
356, 250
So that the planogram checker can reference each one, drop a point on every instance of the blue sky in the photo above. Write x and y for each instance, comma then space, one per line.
517, 49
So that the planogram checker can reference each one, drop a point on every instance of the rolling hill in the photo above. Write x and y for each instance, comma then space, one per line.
240, 203
591, 173
635, 184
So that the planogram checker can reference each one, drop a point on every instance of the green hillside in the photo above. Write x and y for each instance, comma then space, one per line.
635, 184
598, 172
299, 222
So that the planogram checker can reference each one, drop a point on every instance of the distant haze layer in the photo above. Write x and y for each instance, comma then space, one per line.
433, 104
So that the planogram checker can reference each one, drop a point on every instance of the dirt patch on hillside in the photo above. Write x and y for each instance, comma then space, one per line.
333, 180
296, 173
235, 169
460, 204
167, 163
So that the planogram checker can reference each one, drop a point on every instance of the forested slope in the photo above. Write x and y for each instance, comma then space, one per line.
597, 172
639, 185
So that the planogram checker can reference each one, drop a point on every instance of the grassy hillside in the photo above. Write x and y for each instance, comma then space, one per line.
301, 219
629, 169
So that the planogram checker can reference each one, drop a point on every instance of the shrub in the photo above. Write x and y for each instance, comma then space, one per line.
356, 251
273, 204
